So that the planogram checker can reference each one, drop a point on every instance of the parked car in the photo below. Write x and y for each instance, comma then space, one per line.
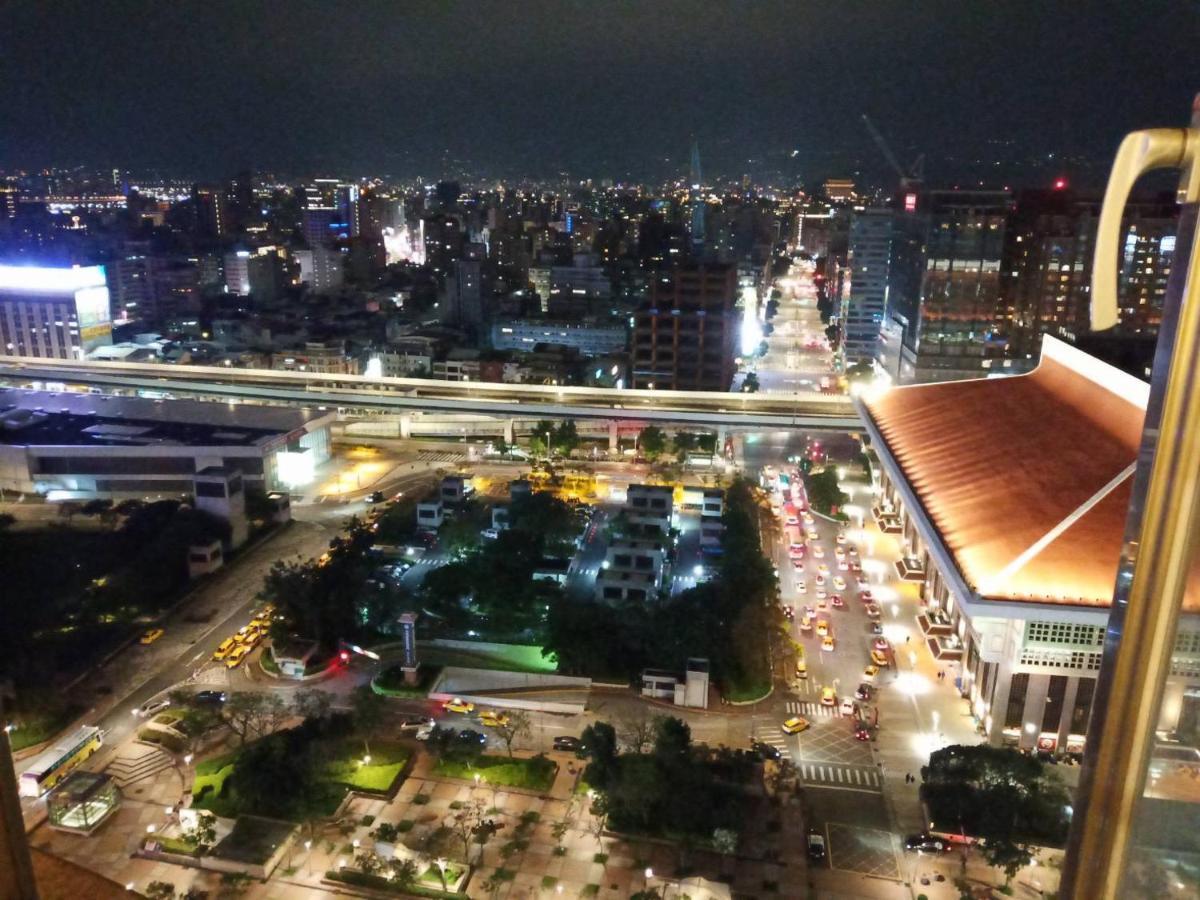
816, 847
209, 698
471, 736
568, 742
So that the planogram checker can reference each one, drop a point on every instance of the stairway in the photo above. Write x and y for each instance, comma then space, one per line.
138, 762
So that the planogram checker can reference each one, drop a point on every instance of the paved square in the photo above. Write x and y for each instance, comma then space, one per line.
868, 851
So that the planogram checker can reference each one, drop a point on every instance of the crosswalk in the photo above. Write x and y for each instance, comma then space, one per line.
859, 778
441, 456
811, 710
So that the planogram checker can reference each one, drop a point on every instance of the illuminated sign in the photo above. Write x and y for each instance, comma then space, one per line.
910, 202
93, 316
44, 279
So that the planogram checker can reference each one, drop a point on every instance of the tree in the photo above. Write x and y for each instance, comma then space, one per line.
500, 445
672, 739
541, 439
369, 708
68, 510
824, 492
404, 872
636, 731
516, 724
205, 832
725, 842
750, 383
7, 520
652, 441
467, 823
160, 890
1007, 855
600, 748
234, 884
566, 437
249, 714
860, 371
312, 703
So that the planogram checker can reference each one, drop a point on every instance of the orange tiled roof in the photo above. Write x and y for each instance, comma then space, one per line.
998, 463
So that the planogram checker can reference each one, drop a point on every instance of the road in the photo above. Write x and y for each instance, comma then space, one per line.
707, 408
798, 354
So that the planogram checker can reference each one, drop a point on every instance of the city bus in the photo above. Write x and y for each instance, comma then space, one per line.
54, 764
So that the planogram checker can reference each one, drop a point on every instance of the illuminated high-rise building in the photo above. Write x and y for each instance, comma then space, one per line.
870, 258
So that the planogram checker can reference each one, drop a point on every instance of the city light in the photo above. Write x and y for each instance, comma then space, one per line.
49, 279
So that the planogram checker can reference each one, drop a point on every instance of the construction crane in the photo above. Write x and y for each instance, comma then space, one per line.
916, 172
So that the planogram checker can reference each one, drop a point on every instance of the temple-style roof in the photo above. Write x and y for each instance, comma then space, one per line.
1026, 478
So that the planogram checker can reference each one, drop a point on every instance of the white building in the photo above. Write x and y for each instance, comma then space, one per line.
56, 313
648, 507
72, 445
1009, 498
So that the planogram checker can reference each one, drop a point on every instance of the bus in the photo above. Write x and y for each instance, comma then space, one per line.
54, 764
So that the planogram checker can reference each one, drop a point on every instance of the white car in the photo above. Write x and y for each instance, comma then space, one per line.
818, 552
150, 707
801, 586
839, 583
848, 707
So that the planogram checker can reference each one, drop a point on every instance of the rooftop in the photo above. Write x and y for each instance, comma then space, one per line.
1026, 479
61, 418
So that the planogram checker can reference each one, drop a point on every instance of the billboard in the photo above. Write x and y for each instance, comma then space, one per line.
94, 317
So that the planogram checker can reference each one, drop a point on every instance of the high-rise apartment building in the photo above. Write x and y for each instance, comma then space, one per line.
946, 289
212, 213
685, 337
865, 299
53, 313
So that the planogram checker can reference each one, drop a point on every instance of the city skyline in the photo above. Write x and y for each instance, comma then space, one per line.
610, 91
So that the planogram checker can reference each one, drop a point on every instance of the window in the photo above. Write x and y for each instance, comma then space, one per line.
1015, 712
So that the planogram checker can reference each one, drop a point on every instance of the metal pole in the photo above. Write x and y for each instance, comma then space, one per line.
1160, 541
16, 867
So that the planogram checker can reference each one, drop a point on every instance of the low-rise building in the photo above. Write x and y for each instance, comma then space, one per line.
1015, 547
648, 507
589, 338
66, 445
430, 514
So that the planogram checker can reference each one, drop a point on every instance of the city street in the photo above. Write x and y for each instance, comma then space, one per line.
798, 354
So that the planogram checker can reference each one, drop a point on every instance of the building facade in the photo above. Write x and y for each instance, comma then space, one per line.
686, 337
1014, 601
864, 299
54, 313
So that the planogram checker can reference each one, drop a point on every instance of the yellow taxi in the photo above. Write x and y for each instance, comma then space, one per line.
869, 674
249, 635
225, 648
806, 624
822, 627
828, 696
827, 642
151, 636
459, 705
801, 668
879, 658
235, 658
493, 719
794, 725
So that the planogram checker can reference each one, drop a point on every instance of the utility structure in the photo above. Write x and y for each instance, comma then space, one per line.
697, 200
914, 175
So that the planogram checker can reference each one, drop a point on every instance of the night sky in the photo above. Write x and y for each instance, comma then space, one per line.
601, 89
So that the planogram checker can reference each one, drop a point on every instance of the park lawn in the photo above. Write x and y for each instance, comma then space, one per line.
737, 692
26, 734
387, 762
510, 658
211, 774
535, 774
